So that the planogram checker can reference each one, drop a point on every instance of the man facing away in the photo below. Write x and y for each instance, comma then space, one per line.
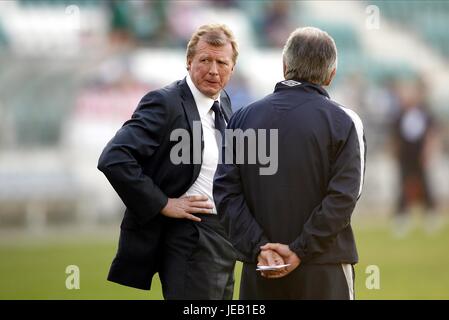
170, 225
301, 214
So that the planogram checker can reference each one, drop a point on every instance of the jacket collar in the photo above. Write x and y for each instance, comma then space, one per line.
304, 85
225, 103
188, 103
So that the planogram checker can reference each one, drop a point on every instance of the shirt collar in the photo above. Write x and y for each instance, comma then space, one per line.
291, 84
203, 102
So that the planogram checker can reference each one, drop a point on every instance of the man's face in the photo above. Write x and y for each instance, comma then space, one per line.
211, 67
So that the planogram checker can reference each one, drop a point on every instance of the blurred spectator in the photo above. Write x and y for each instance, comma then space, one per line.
3, 39
381, 101
390, 95
239, 91
276, 24
182, 21
224, 3
414, 134
141, 21
352, 91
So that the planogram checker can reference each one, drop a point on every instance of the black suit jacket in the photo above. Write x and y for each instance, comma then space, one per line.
137, 164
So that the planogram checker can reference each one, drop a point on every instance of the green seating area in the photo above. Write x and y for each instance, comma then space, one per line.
80, 3
3, 39
428, 19
37, 98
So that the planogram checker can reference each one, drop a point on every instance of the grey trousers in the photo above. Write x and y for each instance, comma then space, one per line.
198, 261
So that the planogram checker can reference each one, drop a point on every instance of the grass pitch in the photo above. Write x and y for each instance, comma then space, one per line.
415, 267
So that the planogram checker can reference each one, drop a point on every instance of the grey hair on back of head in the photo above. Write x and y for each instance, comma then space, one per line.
310, 54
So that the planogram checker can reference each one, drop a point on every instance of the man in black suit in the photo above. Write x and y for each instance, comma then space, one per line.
301, 212
170, 224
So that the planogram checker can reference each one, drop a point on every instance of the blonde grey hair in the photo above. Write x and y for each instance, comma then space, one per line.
310, 54
214, 34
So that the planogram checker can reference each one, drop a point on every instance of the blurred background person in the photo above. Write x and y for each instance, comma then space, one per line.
414, 141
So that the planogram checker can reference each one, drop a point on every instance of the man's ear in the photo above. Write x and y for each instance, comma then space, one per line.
284, 68
331, 77
189, 62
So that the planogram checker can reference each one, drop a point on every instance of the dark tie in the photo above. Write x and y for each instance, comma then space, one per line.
220, 124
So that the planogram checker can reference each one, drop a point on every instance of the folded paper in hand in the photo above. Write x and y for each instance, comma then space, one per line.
269, 268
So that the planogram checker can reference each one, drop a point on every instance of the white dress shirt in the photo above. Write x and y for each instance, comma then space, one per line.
203, 184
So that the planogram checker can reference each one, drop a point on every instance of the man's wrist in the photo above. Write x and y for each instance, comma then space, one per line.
297, 250
257, 249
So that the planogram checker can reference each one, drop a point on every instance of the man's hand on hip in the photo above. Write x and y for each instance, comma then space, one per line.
182, 208
287, 255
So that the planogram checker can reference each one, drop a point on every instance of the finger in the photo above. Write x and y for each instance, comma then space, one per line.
269, 272
197, 197
272, 274
278, 261
270, 246
197, 210
270, 259
276, 257
192, 217
276, 276
276, 273
201, 204
261, 261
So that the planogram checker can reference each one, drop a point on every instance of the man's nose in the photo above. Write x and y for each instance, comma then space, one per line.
213, 68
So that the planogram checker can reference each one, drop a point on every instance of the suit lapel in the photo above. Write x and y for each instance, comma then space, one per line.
188, 103
226, 105
192, 114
